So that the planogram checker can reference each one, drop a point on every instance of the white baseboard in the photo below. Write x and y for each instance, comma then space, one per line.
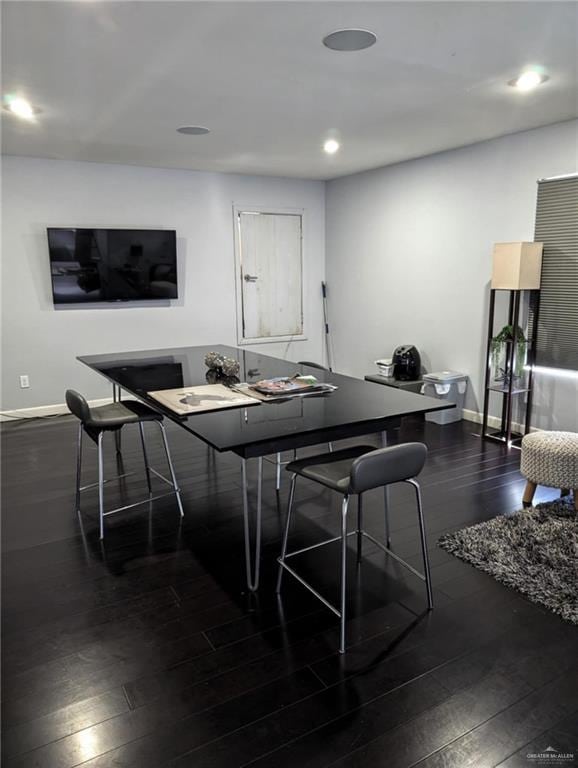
494, 421
477, 418
60, 409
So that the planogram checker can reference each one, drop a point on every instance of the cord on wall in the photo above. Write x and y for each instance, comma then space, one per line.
39, 412
5, 415
326, 325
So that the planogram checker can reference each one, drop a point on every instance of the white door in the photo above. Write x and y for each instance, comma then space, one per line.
270, 275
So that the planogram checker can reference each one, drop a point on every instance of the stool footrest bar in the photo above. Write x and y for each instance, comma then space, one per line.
315, 546
395, 557
161, 477
104, 482
270, 460
309, 587
138, 503
313, 591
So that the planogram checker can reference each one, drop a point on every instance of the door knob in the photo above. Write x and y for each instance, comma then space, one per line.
250, 278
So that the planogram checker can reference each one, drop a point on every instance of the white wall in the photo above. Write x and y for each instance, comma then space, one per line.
409, 256
43, 342
407, 261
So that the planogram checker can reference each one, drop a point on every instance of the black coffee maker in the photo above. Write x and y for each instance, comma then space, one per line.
406, 363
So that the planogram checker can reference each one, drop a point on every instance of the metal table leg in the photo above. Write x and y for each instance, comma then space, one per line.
252, 563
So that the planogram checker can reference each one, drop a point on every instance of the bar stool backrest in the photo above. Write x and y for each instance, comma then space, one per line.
77, 405
387, 465
313, 365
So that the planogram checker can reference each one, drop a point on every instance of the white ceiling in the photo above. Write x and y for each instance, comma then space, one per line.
115, 80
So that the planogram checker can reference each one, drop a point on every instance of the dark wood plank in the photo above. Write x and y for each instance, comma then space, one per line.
297, 644
492, 741
63, 722
331, 705
368, 669
168, 728
410, 742
562, 737
147, 650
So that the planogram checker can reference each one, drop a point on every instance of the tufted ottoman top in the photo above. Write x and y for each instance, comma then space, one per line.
551, 458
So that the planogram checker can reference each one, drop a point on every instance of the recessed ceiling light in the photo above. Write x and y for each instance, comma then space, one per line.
528, 80
193, 130
20, 107
331, 146
349, 40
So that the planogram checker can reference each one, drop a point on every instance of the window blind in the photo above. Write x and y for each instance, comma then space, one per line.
557, 228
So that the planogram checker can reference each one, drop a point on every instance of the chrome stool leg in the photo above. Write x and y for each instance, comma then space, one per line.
78, 466
343, 572
423, 543
171, 469
286, 532
278, 473
386, 498
386, 515
359, 527
116, 398
101, 485
144, 453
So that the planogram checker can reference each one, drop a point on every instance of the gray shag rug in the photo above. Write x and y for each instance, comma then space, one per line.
533, 550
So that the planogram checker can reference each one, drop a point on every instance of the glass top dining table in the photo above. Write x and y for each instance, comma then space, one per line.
355, 408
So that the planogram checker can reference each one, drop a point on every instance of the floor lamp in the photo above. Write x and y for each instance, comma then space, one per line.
517, 268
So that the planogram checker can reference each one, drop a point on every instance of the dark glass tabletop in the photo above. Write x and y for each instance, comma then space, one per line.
357, 407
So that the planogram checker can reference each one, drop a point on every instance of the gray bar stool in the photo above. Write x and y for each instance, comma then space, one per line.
279, 461
112, 418
351, 472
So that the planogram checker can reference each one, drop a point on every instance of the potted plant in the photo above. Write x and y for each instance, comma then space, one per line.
499, 351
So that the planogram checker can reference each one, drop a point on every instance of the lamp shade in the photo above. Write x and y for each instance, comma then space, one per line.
517, 266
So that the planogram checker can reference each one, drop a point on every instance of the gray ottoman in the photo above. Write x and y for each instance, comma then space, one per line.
550, 458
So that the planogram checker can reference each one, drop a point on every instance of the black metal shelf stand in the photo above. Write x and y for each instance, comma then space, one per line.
509, 391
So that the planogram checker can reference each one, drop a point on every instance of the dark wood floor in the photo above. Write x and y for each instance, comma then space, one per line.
146, 652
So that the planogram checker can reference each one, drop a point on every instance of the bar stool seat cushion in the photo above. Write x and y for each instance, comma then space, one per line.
330, 469
117, 415
361, 468
551, 459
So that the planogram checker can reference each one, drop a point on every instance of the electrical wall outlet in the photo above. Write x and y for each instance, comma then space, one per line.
24, 382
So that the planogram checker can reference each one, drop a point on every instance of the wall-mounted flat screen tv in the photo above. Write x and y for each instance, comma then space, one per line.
101, 265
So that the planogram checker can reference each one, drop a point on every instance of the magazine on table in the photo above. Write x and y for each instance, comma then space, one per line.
284, 387
201, 399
